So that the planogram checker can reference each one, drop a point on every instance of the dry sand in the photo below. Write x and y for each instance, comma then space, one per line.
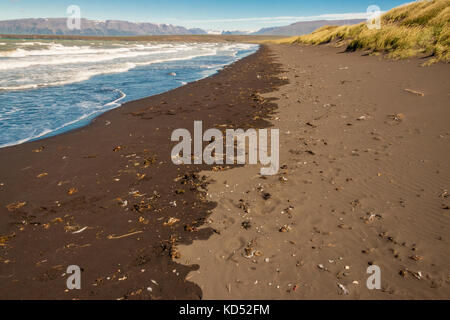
364, 179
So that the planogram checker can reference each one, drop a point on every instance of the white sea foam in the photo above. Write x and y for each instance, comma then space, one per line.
46, 131
78, 58
70, 77
116, 102
56, 64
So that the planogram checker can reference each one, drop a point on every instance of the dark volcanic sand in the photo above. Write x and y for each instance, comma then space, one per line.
37, 242
363, 181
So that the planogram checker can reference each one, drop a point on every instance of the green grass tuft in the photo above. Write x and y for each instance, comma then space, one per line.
421, 28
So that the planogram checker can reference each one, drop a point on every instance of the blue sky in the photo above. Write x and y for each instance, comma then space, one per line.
206, 14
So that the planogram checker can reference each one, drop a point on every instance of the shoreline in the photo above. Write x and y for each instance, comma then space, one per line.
101, 196
86, 119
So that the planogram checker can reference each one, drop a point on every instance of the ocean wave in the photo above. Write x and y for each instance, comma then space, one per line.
10, 64
59, 49
73, 78
27, 114
91, 71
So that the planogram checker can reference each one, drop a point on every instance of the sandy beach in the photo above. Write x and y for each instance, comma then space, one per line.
364, 149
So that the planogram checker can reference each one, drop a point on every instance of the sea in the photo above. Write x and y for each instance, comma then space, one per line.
48, 87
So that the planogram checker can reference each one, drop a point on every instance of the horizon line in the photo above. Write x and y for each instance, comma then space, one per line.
268, 20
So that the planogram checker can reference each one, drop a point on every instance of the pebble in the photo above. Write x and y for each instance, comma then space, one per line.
344, 289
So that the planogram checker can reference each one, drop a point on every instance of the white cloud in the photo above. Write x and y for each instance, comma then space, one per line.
331, 16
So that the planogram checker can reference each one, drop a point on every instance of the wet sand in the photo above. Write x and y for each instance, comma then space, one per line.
107, 197
364, 180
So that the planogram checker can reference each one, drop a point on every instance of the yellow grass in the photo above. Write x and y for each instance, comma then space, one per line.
416, 29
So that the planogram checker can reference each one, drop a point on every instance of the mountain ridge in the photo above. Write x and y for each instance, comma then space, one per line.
304, 27
58, 26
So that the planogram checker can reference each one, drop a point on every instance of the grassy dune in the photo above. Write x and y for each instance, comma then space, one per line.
420, 28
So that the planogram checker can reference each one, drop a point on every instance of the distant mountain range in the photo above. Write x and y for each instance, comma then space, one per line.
58, 26
304, 27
